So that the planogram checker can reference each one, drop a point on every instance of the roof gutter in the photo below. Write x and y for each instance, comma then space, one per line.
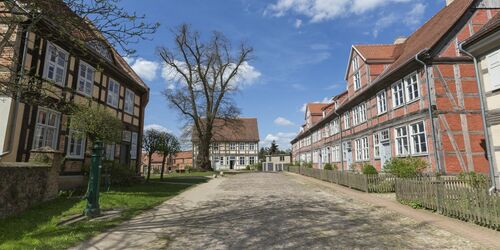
430, 109
483, 116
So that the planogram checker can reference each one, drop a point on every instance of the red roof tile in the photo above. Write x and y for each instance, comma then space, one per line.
375, 52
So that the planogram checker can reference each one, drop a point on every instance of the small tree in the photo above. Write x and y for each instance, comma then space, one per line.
98, 125
274, 148
151, 143
169, 146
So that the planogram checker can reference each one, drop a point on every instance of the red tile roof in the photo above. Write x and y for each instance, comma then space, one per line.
316, 108
375, 52
238, 130
492, 25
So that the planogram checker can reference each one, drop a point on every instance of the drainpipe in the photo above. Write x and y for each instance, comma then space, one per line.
341, 141
434, 141
483, 116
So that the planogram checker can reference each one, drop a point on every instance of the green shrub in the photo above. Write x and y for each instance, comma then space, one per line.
474, 179
308, 165
328, 166
258, 167
405, 167
247, 167
334, 167
369, 169
119, 174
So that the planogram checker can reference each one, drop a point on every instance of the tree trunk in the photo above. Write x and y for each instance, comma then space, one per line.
203, 159
149, 166
162, 167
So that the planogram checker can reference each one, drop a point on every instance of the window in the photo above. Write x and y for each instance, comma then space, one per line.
401, 136
398, 94
55, 64
417, 138
222, 160
357, 81
359, 114
252, 146
355, 64
242, 160
242, 146
232, 146
384, 135
109, 152
336, 153
252, 160
47, 128
376, 145
335, 126
381, 102
282, 158
346, 120
362, 150
493, 62
412, 90
113, 93
85, 79
76, 146
129, 101
215, 146
133, 146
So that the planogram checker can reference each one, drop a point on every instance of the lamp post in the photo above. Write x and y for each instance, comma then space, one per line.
92, 209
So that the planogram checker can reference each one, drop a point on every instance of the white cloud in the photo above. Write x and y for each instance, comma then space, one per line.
247, 74
282, 139
298, 23
323, 10
144, 68
281, 121
156, 127
415, 16
384, 22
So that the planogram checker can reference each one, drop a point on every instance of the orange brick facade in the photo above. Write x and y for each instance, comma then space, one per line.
453, 99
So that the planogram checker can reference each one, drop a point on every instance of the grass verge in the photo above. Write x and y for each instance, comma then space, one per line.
36, 227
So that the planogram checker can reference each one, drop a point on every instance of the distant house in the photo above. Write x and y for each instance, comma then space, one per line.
276, 162
235, 144
179, 162
485, 47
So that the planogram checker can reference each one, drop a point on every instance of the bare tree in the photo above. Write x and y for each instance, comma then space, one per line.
169, 146
151, 143
205, 76
84, 24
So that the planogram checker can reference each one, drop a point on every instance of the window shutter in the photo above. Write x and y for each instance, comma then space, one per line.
493, 61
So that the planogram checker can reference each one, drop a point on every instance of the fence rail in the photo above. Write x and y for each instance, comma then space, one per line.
451, 197
368, 183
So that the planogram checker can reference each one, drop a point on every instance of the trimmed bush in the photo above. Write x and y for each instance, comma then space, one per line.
119, 174
369, 169
476, 180
328, 166
405, 167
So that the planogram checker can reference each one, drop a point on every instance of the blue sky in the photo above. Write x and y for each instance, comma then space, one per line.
301, 50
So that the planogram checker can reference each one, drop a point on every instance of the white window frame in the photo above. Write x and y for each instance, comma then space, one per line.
359, 114
376, 145
45, 127
114, 94
232, 146
356, 80
347, 124
336, 153
493, 64
128, 107
401, 141
241, 160
412, 88
110, 152
418, 138
133, 146
398, 93
73, 141
362, 149
241, 146
381, 102
85, 85
252, 146
51, 47
251, 160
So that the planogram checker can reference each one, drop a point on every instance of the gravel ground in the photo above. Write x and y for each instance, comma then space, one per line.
267, 211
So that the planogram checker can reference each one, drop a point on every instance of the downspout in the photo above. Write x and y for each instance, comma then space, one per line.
341, 142
433, 128
483, 116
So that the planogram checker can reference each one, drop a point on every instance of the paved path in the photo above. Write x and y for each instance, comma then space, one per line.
267, 210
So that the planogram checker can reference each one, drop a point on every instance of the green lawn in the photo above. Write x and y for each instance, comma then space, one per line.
36, 228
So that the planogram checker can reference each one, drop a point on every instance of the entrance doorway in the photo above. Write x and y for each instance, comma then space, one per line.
385, 153
232, 161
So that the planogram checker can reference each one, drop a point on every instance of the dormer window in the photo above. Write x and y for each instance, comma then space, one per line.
101, 49
356, 77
